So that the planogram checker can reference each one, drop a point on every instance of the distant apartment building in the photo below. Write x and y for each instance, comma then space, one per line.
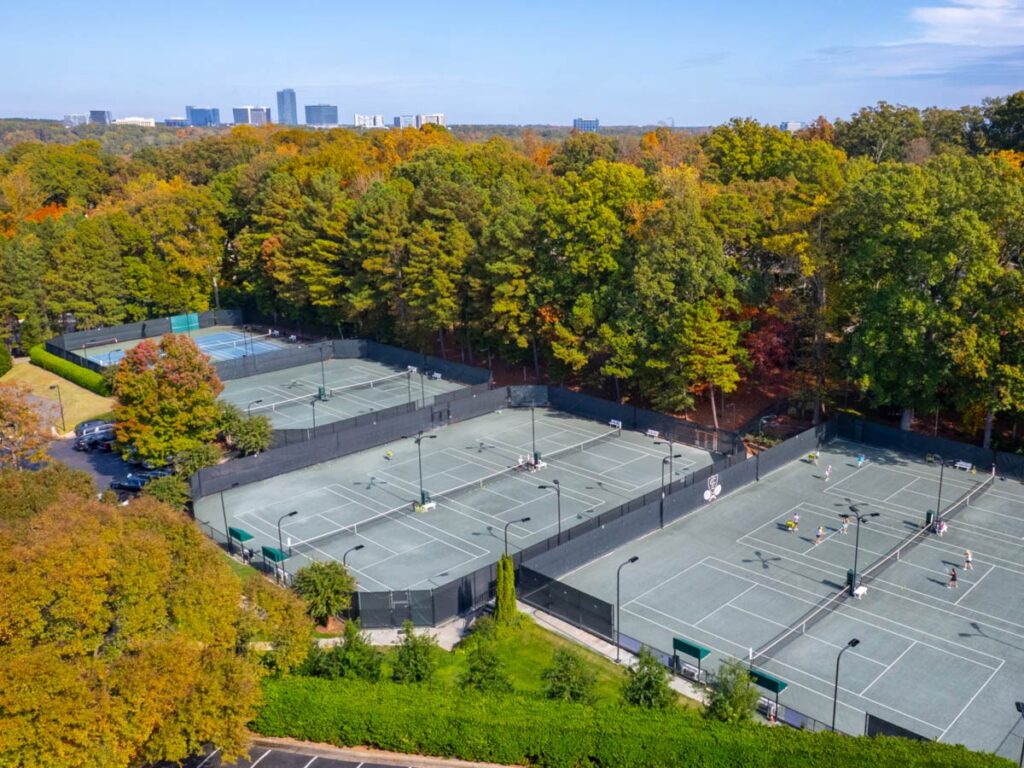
177, 122
586, 124
142, 122
403, 121
100, 117
70, 121
369, 121
791, 125
202, 116
251, 115
321, 114
436, 118
287, 112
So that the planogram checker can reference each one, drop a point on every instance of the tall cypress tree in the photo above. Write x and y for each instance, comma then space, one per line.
505, 604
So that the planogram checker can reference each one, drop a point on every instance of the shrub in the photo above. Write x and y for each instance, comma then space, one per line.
733, 697
252, 435
327, 589
519, 730
173, 491
647, 684
505, 613
6, 362
76, 374
415, 659
485, 673
192, 460
354, 657
569, 678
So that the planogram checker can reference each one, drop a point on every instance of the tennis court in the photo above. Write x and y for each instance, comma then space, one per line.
221, 342
471, 471
291, 397
733, 577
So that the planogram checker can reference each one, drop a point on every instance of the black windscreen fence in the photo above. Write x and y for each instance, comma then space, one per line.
567, 603
876, 726
799, 446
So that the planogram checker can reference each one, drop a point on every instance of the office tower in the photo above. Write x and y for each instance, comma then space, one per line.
404, 121
287, 112
251, 115
321, 114
202, 116
70, 121
142, 122
436, 118
100, 117
586, 124
369, 121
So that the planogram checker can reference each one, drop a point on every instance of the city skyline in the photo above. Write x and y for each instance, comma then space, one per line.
686, 64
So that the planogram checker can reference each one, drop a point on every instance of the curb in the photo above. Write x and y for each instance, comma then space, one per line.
364, 754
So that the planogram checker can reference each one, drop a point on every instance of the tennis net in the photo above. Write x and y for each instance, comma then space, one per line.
303, 547
372, 384
896, 553
278, 405
232, 344
834, 600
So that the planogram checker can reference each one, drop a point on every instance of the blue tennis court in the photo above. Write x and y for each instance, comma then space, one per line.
219, 342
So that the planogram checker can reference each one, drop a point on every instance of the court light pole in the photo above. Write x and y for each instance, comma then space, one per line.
248, 408
938, 504
557, 486
280, 538
861, 517
1020, 709
60, 400
110, 356
671, 452
513, 522
313, 405
419, 438
356, 548
408, 383
533, 434
618, 603
853, 643
227, 532
323, 374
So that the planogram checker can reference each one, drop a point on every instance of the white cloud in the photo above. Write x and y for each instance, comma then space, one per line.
972, 22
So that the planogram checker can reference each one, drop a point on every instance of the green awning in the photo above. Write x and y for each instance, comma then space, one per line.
690, 649
239, 535
769, 682
274, 554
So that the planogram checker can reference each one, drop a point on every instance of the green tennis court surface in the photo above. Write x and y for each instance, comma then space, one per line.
220, 342
290, 397
944, 663
470, 470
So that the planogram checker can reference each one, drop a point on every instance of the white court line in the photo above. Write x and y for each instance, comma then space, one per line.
798, 670
899, 491
968, 590
850, 608
887, 668
971, 701
670, 578
723, 605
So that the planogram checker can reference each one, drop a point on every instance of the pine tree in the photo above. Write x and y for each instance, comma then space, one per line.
647, 684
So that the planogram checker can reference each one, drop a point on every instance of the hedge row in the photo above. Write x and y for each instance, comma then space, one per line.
519, 730
76, 374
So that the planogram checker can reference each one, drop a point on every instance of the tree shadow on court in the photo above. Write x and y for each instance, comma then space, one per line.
979, 631
765, 562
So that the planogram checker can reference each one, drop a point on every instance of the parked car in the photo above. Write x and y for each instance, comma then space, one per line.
132, 483
153, 474
93, 427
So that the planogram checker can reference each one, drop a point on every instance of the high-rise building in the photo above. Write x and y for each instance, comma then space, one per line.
791, 125
177, 122
251, 115
369, 121
436, 118
404, 121
70, 121
321, 114
202, 116
287, 112
586, 124
100, 117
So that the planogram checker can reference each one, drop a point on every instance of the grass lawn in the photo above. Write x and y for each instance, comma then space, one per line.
241, 570
526, 652
79, 404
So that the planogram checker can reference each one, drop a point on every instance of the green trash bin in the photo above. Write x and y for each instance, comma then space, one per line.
929, 516
851, 579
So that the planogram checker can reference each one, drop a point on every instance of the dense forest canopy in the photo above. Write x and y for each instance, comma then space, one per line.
879, 253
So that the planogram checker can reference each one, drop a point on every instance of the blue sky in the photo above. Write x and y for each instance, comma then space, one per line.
638, 62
